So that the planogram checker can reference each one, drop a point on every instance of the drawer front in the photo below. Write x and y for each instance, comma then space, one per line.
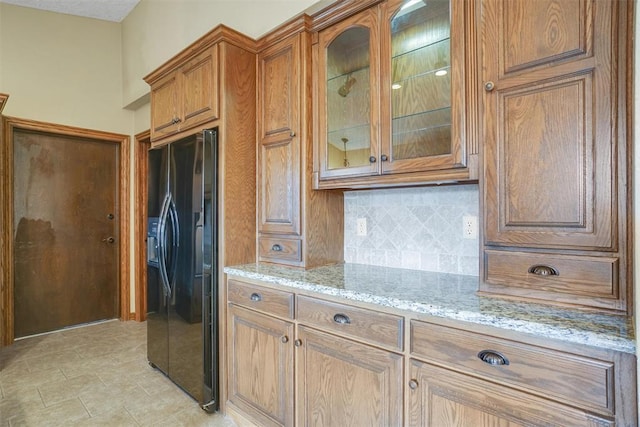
274, 249
378, 328
567, 378
553, 274
272, 301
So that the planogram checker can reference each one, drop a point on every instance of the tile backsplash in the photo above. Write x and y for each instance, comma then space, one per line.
417, 228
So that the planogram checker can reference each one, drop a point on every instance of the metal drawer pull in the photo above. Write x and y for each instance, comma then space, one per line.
543, 270
256, 297
493, 357
384, 158
489, 86
413, 384
276, 248
297, 343
372, 159
284, 339
342, 319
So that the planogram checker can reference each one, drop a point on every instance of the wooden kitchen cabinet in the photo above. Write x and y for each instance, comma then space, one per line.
395, 96
556, 151
459, 376
345, 383
441, 397
260, 354
296, 225
186, 96
295, 358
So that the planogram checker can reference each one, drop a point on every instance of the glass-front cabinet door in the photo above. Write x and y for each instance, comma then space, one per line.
348, 89
423, 94
395, 94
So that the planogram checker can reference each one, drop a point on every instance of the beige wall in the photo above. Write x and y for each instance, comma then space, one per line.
62, 69
156, 30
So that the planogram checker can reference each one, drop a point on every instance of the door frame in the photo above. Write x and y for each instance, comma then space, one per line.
9, 124
141, 145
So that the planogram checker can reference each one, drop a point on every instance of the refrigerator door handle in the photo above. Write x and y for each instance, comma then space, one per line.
162, 244
175, 230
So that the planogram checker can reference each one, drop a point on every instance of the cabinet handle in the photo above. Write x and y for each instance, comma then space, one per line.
276, 248
292, 134
297, 343
284, 339
372, 159
489, 86
343, 319
175, 120
256, 297
543, 270
384, 158
413, 384
493, 357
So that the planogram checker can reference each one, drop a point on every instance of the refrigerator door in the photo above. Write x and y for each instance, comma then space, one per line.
157, 297
191, 297
182, 265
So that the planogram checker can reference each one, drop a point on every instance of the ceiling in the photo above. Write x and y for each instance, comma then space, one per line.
106, 10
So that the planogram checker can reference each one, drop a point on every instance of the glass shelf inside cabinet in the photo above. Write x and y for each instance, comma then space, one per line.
421, 79
348, 99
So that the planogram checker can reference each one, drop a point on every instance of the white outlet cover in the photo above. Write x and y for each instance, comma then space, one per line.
361, 227
470, 227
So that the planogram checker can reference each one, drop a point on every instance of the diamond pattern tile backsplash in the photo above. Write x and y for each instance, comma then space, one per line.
416, 228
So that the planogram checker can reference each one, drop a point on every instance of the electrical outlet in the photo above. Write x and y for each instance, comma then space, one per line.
361, 226
470, 227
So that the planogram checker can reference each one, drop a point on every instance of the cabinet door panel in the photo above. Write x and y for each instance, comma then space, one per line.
542, 31
348, 93
425, 81
260, 373
279, 187
279, 89
279, 179
200, 88
343, 383
164, 99
549, 145
439, 397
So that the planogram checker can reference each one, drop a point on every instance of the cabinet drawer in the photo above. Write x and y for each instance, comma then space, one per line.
274, 249
378, 328
272, 301
572, 275
567, 378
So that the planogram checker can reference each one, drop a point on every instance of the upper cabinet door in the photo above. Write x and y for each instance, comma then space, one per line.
348, 96
200, 88
164, 102
549, 113
279, 69
423, 94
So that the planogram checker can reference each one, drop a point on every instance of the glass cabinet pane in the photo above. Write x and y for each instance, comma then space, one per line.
421, 79
348, 99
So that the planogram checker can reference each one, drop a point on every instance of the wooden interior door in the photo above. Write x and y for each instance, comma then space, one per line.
65, 231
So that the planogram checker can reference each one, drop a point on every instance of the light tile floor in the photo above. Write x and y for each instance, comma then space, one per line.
95, 375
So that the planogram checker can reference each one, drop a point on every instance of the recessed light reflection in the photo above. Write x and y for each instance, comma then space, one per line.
441, 73
396, 86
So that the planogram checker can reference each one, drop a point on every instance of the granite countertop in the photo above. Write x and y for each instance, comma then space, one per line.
449, 296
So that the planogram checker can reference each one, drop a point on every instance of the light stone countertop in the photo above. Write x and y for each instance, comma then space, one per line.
450, 296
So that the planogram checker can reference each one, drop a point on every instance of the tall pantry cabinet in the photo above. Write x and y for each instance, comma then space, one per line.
296, 225
556, 151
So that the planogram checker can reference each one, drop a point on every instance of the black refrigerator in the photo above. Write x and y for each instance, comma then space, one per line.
182, 270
